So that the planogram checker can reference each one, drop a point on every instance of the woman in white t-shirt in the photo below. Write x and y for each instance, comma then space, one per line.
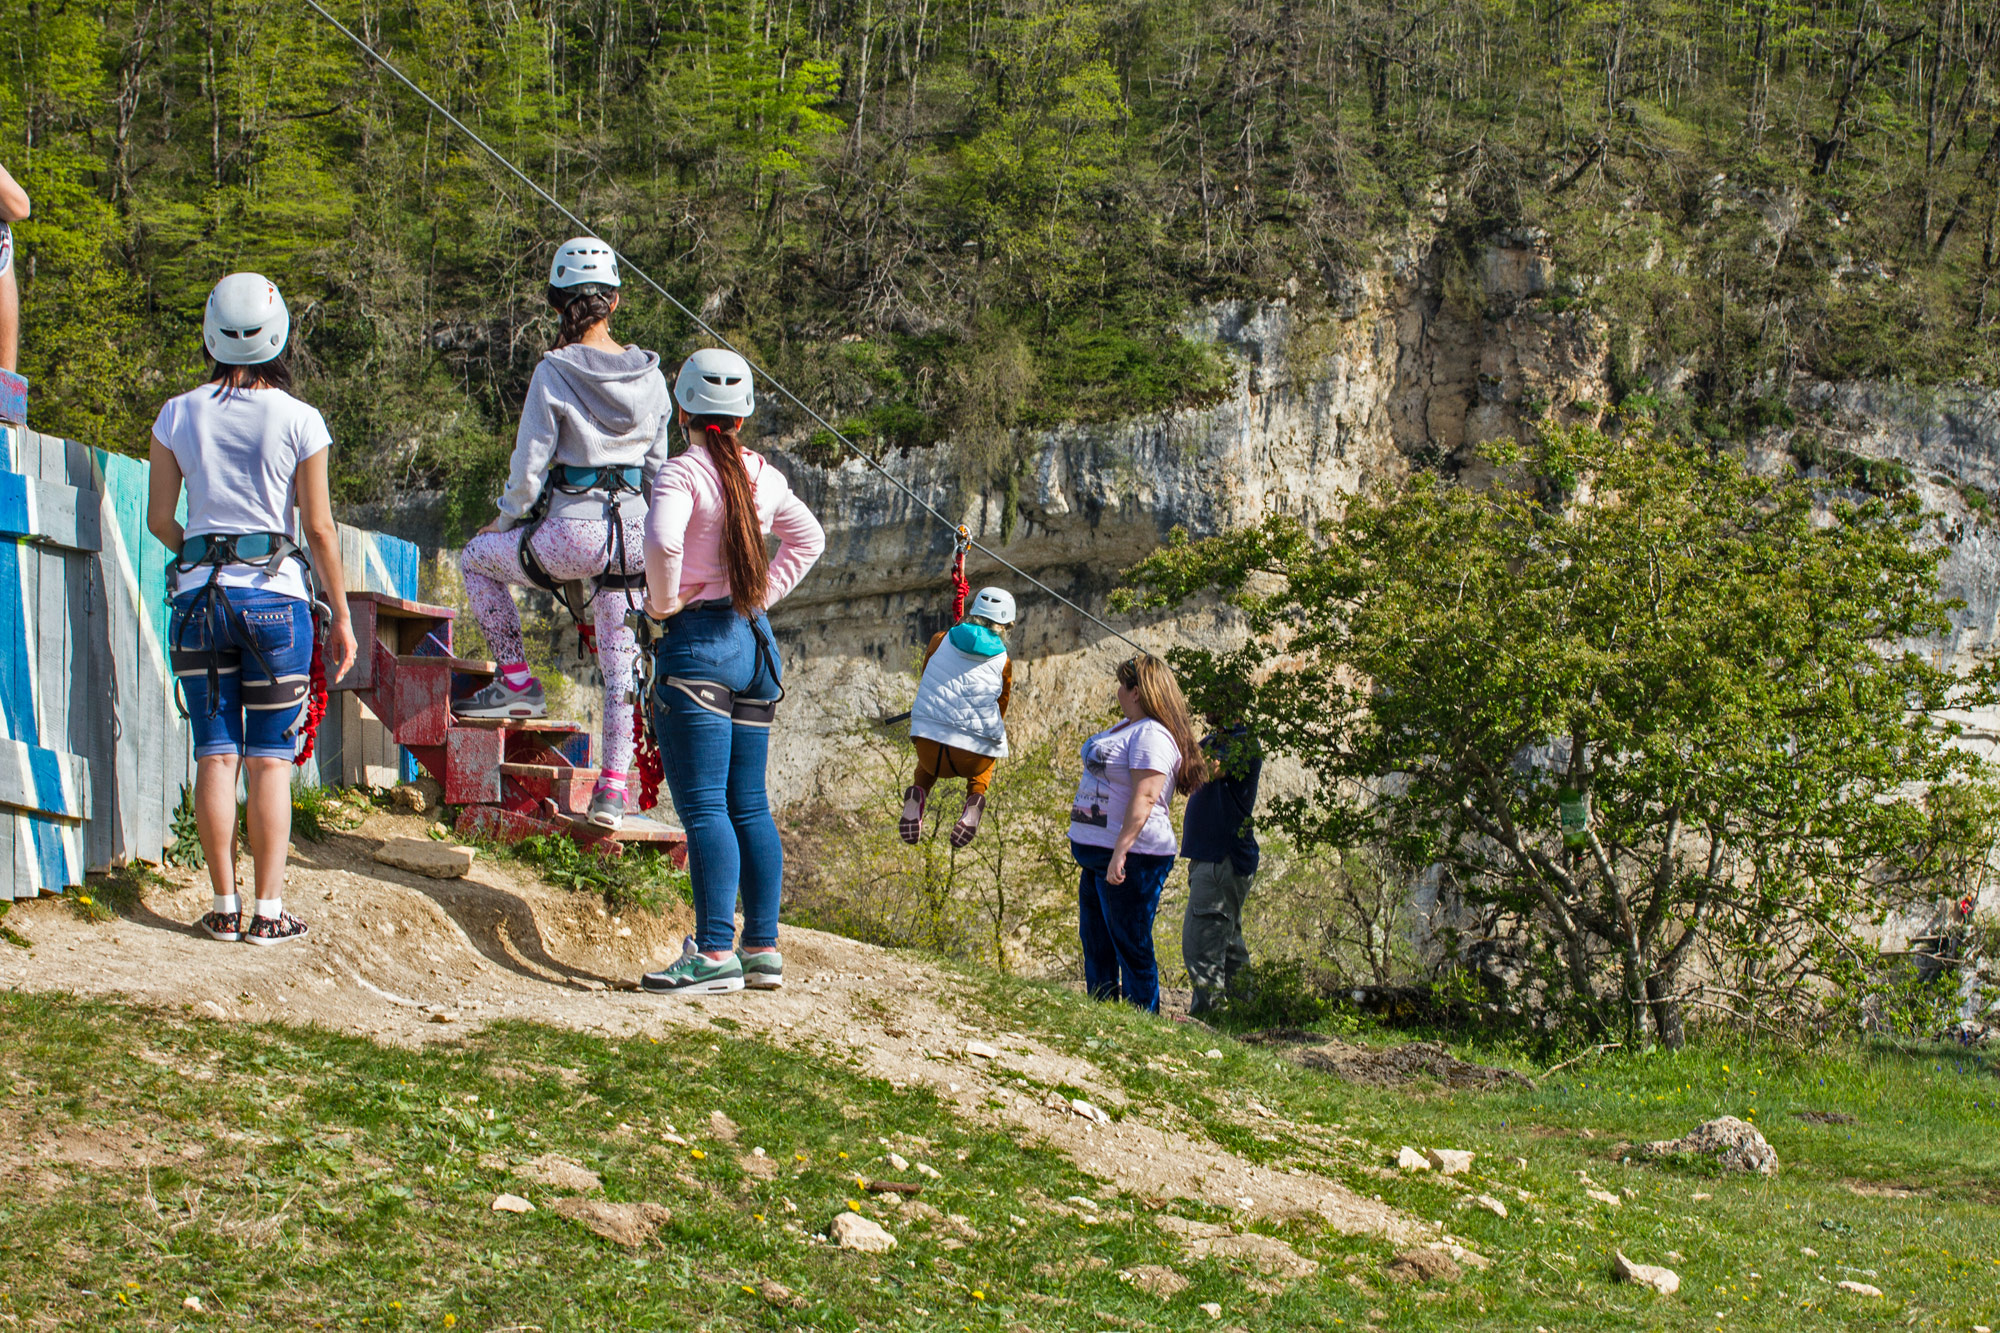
1121, 833
253, 461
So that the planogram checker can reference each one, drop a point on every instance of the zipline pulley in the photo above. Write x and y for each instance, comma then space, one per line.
959, 587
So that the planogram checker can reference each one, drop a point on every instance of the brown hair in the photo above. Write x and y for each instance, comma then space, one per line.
273, 374
1160, 699
581, 307
742, 535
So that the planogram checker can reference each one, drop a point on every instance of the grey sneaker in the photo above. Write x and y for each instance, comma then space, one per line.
496, 700
762, 971
694, 974
607, 808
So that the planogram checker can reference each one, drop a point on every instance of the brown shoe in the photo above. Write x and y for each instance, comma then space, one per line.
912, 825
967, 827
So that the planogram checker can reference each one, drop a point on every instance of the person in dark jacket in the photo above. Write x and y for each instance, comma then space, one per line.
1219, 841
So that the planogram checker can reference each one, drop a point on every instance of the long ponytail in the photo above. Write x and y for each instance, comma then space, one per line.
742, 534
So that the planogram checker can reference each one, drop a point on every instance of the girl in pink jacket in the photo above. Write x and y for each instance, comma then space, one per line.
716, 673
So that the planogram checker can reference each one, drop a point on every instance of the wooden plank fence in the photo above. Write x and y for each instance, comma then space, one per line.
93, 751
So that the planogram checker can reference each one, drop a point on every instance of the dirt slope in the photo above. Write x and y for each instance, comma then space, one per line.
391, 952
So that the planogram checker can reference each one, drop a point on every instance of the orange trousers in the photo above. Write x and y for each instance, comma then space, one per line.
936, 760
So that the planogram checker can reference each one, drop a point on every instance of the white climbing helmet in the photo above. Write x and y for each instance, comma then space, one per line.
585, 259
994, 604
715, 382
245, 322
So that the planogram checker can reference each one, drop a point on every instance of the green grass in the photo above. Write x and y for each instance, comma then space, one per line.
295, 1178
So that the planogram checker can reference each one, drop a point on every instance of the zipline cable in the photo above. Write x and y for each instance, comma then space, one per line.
702, 324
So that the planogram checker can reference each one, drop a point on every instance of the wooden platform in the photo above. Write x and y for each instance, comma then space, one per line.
511, 777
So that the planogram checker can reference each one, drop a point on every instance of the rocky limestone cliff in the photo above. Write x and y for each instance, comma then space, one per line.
1410, 363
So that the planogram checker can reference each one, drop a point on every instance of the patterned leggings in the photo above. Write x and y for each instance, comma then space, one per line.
569, 548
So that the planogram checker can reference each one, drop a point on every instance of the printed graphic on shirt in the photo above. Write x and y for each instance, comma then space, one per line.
1093, 795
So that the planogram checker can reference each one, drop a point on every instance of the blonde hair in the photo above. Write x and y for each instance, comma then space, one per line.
1160, 699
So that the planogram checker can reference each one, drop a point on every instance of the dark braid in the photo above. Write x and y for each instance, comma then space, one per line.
580, 307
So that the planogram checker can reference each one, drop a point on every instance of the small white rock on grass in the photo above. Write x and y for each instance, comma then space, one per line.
511, 1203
1089, 1111
1450, 1161
1213, 1309
982, 1050
1490, 1204
1860, 1288
852, 1231
1409, 1159
899, 1162
929, 1172
1663, 1280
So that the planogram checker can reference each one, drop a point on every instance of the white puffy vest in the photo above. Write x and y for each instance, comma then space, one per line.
958, 701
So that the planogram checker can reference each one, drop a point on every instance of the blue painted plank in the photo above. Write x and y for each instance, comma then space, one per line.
49, 512
13, 397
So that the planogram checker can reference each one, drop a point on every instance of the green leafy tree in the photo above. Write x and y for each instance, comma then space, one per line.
1727, 668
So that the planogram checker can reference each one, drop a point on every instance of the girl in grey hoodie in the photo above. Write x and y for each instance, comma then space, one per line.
594, 430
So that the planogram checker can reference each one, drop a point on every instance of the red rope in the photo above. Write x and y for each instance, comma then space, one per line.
959, 587
646, 758
316, 702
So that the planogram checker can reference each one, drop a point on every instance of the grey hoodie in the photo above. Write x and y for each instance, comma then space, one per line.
589, 408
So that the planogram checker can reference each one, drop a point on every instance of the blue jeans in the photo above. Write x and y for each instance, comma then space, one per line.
1115, 922
268, 637
715, 769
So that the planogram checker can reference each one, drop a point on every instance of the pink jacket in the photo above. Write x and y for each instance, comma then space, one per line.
684, 561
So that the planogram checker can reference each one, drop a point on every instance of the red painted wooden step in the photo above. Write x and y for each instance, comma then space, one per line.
499, 825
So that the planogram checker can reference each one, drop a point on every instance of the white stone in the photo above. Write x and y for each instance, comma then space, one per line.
1663, 1280
1450, 1161
929, 1172
898, 1161
511, 1203
1491, 1205
1734, 1144
421, 856
1860, 1288
192, 1303
1212, 1309
1212, 1053
982, 1050
1605, 1197
1089, 1111
852, 1231
1409, 1159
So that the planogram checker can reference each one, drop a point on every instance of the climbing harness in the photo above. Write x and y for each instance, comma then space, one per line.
959, 587
832, 430
718, 699
612, 483
264, 551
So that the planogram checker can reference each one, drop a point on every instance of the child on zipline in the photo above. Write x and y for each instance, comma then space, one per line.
959, 719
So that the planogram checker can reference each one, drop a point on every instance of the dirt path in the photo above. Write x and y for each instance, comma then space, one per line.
407, 959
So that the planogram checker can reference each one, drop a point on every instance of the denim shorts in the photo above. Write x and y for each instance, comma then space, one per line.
264, 636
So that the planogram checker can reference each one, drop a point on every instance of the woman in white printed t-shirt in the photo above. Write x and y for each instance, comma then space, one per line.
1121, 833
250, 455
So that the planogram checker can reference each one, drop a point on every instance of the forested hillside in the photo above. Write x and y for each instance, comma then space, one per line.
948, 218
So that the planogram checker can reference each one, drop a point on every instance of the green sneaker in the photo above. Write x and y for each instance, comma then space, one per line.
762, 971
696, 974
